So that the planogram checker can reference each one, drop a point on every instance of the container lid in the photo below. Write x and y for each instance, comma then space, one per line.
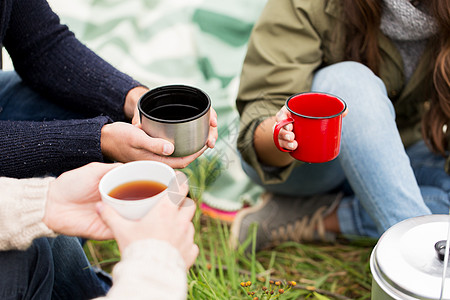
405, 263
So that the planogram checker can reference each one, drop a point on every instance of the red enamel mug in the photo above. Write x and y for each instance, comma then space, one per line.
317, 124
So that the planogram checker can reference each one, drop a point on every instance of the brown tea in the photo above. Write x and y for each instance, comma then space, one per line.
137, 190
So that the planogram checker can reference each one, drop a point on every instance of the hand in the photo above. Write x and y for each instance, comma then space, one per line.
286, 137
130, 107
212, 136
166, 221
71, 203
124, 142
132, 112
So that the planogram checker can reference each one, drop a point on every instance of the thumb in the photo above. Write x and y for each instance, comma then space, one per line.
111, 218
136, 120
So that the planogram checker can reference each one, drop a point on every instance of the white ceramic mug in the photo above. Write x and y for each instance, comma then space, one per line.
135, 171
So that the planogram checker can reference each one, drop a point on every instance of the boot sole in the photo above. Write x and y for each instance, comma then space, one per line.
236, 225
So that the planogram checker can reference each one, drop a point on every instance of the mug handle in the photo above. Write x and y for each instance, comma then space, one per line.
276, 132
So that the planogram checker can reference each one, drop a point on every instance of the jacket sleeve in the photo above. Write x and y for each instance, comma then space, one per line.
52, 61
283, 52
38, 148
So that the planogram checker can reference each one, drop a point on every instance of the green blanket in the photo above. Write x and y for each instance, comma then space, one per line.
194, 42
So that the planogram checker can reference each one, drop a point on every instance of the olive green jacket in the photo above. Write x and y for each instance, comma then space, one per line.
290, 41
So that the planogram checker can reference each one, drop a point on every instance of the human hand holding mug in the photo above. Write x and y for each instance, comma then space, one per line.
177, 143
148, 200
169, 220
71, 201
309, 127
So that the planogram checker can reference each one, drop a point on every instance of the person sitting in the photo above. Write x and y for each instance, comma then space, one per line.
388, 60
63, 106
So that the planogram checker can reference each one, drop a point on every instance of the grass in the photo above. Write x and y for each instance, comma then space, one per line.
321, 271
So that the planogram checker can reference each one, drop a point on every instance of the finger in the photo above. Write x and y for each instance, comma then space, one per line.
100, 233
193, 253
190, 232
285, 135
135, 120
213, 118
100, 169
110, 217
182, 162
192, 157
282, 114
188, 202
288, 127
190, 247
157, 146
187, 210
288, 145
212, 137
136, 117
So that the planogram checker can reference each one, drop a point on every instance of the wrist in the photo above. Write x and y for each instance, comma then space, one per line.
29, 211
265, 148
105, 141
47, 218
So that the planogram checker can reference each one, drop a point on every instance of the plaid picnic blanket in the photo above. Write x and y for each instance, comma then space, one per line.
194, 42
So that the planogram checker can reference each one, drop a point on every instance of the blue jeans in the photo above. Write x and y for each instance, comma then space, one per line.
20, 103
386, 183
52, 268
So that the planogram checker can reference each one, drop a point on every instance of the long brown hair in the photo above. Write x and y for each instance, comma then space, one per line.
362, 28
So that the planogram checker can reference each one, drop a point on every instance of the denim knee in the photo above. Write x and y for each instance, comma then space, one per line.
355, 83
436, 199
349, 73
27, 274
74, 277
18, 102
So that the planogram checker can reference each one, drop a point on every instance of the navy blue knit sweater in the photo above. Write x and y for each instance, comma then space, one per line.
49, 59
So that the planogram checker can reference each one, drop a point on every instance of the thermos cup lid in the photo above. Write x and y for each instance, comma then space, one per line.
405, 263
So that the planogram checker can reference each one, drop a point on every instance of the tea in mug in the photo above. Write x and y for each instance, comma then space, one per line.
137, 190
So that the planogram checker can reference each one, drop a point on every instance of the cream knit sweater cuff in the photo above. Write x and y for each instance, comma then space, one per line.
22, 206
151, 270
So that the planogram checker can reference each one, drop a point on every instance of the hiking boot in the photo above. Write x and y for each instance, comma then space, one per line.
283, 218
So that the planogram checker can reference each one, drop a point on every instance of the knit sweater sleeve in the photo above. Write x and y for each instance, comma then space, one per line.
22, 206
149, 269
51, 60
32, 149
